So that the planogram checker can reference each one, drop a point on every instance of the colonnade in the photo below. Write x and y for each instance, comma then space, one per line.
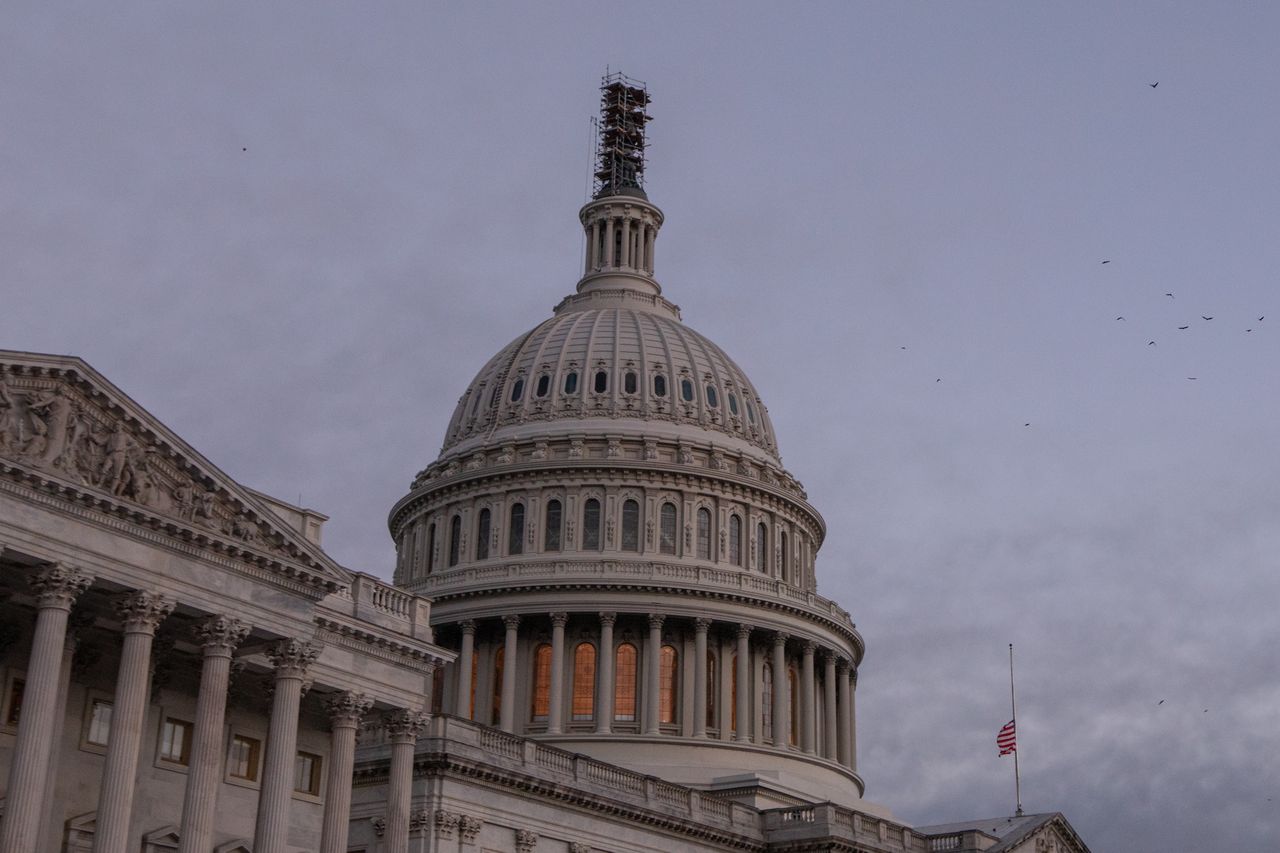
621, 242
36, 753
827, 699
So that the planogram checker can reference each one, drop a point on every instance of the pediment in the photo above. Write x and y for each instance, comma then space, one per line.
240, 845
159, 840
63, 424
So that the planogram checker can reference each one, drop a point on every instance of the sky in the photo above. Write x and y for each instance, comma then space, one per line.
294, 232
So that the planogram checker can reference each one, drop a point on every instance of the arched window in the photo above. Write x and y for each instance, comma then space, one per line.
495, 699
712, 399
431, 548
704, 533
712, 689
541, 698
584, 681
784, 565
482, 534
686, 390
733, 693
591, 525
602, 381
735, 540
515, 530
554, 517
733, 403
629, 382
544, 385
624, 683
659, 385
571, 382
667, 529
455, 539
630, 525
762, 547
766, 701
794, 695
517, 391
668, 678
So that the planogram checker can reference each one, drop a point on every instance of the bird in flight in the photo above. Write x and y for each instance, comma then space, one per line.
1026, 424
1170, 295
1192, 378
1161, 702
1202, 317
1119, 318
1151, 343
1184, 327
1153, 85
1106, 262
1263, 317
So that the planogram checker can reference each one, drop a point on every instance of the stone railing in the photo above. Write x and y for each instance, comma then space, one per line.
826, 820
374, 600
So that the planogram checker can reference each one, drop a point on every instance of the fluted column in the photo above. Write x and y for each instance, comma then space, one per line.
842, 729
700, 627
219, 635
53, 809
507, 717
744, 685
56, 588
781, 693
466, 658
141, 612
829, 706
604, 672
853, 719
403, 728
609, 260
654, 685
808, 709
592, 260
555, 715
291, 658
650, 233
346, 710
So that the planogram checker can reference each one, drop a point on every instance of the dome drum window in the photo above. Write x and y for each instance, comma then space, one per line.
733, 403
601, 382
686, 390
629, 382
713, 399
517, 391
571, 382
544, 385
659, 385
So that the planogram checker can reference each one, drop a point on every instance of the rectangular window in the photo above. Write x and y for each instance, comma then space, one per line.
13, 703
175, 741
99, 723
306, 774
243, 761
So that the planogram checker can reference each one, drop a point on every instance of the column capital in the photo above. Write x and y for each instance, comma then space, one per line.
526, 840
404, 726
512, 622
559, 619
446, 822
842, 665
291, 657
470, 827
57, 585
780, 638
830, 658
701, 624
809, 648
220, 634
347, 709
744, 631
608, 618
656, 620
143, 611
467, 626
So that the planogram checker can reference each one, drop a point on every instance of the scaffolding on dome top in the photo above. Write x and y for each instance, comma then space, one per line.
620, 141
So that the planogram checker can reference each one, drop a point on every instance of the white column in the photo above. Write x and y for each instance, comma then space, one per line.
56, 588
843, 729
604, 675
781, 693
626, 260
462, 706
291, 658
141, 612
555, 716
403, 728
219, 635
651, 232
507, 716
53, 811
654, 655
345, 713
744, 685
808, 707
609, 260
593, 241
829, 706
853, 719
700, 627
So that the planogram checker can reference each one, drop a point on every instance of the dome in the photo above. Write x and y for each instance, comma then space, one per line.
613, 361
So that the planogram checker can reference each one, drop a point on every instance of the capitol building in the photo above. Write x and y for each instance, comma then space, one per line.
604, 631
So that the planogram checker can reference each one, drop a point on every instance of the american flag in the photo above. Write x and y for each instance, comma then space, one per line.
1007, 739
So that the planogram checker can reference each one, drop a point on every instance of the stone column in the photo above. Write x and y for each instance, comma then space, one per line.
507, 717
853, 719
56, 588
593, 240
843, 728
291, 658
403, 728
219, 635
141, 613
808, 709
744, 685
555, 715
700, 627
53, 810
654, 685
604, 675
829, 706
626, 260
652, 232
345, 713
462, 707
609, 259
781, 693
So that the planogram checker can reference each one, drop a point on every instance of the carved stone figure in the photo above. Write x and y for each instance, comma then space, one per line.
6, 413
446, 823
470, 827
56, 408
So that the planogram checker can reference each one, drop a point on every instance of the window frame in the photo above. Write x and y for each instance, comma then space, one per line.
93, 699
256, 755
312, 794
183, 762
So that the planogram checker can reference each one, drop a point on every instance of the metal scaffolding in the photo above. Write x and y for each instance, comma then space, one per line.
620, 141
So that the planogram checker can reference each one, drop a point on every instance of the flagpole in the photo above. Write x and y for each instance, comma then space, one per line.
1013, 703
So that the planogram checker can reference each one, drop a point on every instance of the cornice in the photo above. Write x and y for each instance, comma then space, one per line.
361, 637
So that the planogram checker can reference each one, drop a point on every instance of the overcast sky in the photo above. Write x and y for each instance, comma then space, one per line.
294, 232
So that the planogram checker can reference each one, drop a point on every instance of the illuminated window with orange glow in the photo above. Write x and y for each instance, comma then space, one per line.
584, 681
668, 666
542, 682
624, 688
495, 708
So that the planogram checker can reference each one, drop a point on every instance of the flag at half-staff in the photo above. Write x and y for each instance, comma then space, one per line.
1007, 738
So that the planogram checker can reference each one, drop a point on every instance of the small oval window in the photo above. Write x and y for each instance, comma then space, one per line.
602, 381
517, 391
659, 386
733, 403
686, 390
712, 399
629, 383
544, 385
571, 382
